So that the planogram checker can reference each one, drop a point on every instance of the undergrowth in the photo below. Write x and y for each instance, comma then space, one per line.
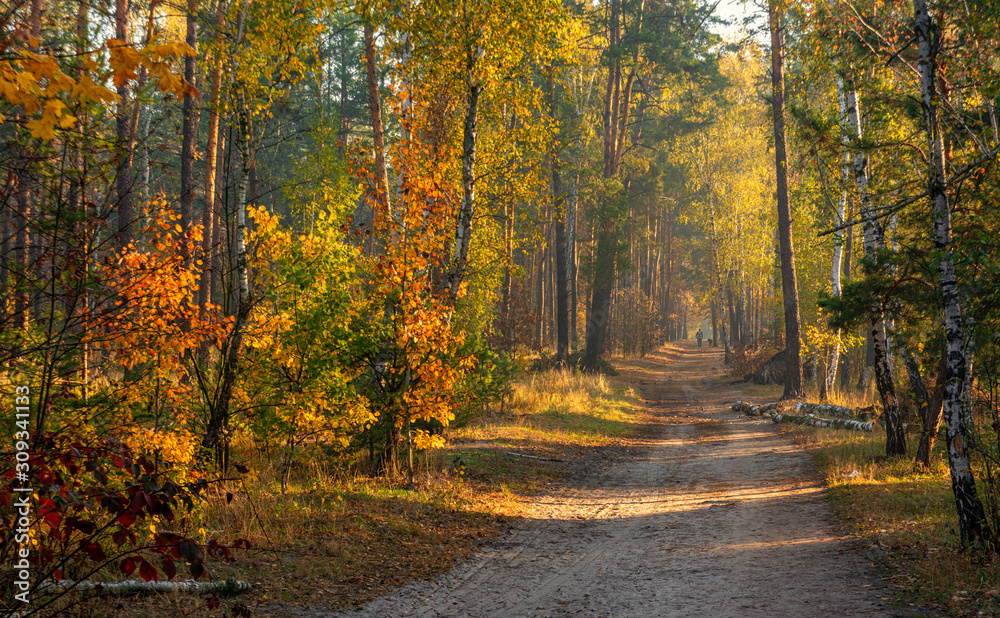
906, 515
337, 538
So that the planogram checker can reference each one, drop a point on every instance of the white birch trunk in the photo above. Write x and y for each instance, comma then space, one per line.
463, 233
838, 242
956, 407
874, 239
246, 153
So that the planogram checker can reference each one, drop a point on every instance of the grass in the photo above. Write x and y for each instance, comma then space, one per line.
903, 512
335, 539
551, 418
907, 514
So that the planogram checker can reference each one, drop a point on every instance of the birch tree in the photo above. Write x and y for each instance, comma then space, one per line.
956, 407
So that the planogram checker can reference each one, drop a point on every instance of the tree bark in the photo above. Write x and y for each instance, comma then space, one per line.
614, 116
789, 283
506, 317
375, 111
562, 265
931, 414
209, 233
874, 241
845, 359
715, 329
830, 378
463, 233
189, 128
123, 172
217, 434
957, 411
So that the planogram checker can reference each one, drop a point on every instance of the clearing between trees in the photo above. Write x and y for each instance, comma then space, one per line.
707, 513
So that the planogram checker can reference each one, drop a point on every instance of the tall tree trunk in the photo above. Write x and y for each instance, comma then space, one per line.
715, 328
538, 262
838, 239
931, 410
598, 317
375, 111
217, 433
218, 428
734, 327
789, 283
561, 272
874, 241
845, 359
506, 317
719, 301
463, 232
123, 172
562, 264
79, 199
957, 412
189, 127
209, 232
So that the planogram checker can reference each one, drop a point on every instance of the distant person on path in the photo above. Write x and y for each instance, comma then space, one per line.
698, 336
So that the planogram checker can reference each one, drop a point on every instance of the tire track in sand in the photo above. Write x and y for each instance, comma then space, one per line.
708, 513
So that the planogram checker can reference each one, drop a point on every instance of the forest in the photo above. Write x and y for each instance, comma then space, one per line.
250, 246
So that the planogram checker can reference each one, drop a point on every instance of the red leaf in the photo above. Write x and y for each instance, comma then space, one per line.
96, 553
121, 536
241, 544
52, 518
57, 574
169, 568
127, 566
197, 569
127, 519
147, 571
86, 527
189, 550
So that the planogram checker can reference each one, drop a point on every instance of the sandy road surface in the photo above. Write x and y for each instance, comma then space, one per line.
709, 514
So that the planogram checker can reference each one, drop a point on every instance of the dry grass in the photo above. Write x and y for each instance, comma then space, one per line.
552, 418
335, 540
561, 407
907, 515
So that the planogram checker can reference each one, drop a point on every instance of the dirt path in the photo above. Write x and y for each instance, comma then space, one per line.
709, 515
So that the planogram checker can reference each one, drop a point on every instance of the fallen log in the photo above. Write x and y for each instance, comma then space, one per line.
808, 409
751, 410
815, 421
132, 586
822, 409
512, 453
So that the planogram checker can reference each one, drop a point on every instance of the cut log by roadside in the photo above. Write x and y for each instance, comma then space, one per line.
809, 409
225, 587
810, 415
814, 421
751, 410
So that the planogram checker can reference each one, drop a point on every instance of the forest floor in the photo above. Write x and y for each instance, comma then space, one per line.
704, 513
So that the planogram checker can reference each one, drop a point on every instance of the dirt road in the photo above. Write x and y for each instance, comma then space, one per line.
710, 514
